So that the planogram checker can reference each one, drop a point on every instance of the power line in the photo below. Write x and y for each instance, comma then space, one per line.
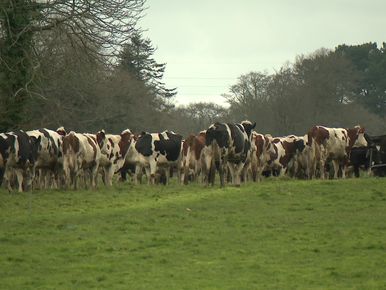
201, 78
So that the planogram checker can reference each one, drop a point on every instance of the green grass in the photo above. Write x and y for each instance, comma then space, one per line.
279, 234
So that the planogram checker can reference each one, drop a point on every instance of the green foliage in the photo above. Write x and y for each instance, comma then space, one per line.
273, 235
370, 61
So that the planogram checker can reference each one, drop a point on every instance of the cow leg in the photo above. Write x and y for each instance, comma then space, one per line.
335, 164
40, 180
208, 164
8, 176
153, 170
185, 175
197, 169
94, 176
344, 171
203, 173
222, 168
109, 175
281, 171
237, 173
212, 174
85, 178
19, 176
137, 173
254, 171
322, 169
29, 178
74, 179
258, 174
168, 168
232, 171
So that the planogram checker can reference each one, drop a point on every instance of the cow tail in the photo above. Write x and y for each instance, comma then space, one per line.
310, 136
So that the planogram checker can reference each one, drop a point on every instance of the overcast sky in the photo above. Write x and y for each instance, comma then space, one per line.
208, 44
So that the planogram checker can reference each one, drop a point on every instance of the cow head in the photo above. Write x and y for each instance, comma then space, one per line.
248, 126
269, 148
357, 137
126, 139
103, 142
35, 147
300, 144
61, 131
101, 137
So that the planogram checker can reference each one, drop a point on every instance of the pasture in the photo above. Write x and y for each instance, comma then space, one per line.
279, 234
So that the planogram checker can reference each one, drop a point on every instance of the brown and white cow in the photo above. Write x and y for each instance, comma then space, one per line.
114, 149
261, 150
282, 156
334, 144
81, 154
192, 157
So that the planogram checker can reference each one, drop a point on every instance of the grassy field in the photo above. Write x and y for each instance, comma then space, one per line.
280, 234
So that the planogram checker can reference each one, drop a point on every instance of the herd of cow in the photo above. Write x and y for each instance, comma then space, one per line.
56, 159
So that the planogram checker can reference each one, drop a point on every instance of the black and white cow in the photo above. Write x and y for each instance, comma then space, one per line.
155, 150
50, 156
227, 145
370, 158
19, 153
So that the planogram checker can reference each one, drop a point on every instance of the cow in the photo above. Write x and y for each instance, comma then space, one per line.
334, 144
371, 158
114, 149
18, 155
360, 157
81, 154
192, 156
50, 156
227, 145
261, 150
303, 158
154, 151
282, 157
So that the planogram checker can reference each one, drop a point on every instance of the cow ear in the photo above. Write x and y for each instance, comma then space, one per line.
254, 125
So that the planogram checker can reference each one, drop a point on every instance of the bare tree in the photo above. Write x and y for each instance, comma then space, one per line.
98, 27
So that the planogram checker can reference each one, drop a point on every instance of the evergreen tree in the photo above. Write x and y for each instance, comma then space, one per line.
370, 61
137, 58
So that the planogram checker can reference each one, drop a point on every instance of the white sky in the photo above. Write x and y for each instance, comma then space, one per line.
208, 44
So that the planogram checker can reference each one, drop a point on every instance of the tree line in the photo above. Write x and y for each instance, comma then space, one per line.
86, 65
